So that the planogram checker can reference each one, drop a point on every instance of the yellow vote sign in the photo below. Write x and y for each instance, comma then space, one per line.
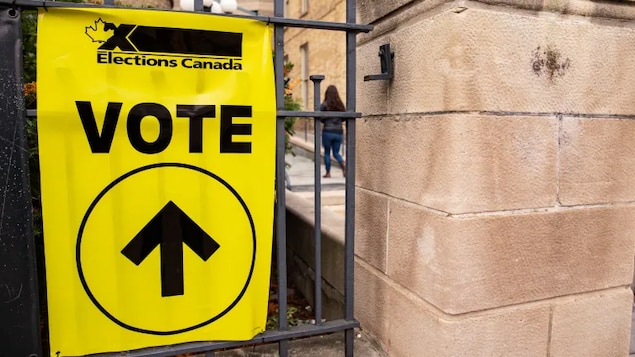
157, 148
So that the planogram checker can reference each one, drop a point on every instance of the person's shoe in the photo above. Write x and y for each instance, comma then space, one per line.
343, 166
327, 175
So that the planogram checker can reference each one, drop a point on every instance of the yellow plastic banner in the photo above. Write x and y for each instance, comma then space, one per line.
157, 149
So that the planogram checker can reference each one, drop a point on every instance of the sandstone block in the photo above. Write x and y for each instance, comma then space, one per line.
594, 325
408, 326
460, 163
597, 161
506, 62
483, 262
371, 300
371, 212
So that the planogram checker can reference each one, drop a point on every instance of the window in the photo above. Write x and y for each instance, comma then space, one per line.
304, 68
305, 7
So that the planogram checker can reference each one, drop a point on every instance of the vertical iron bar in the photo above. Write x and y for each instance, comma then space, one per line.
19, 304
109, 2
281, 227
198, 5
317, 192
210, 354
349, 229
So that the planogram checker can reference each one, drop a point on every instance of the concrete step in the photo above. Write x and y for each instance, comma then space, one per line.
321, 346
341, 209
329, 198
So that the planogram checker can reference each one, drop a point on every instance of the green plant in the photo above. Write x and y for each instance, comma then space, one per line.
29, 24
34, 169
292, 320
290, 103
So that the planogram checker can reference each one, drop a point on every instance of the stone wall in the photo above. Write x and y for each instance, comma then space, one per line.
496, 178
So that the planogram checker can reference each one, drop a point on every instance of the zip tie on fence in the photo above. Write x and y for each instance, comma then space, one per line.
15, 8
44, 6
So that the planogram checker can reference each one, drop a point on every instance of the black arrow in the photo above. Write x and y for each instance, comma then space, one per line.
169, 229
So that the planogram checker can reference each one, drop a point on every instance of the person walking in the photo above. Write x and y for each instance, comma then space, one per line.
332, 132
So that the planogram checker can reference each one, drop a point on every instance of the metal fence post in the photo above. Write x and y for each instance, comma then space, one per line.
349, 229
281, 217
19, 304
317, 190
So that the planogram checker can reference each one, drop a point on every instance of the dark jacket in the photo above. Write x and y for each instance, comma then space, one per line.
332, 125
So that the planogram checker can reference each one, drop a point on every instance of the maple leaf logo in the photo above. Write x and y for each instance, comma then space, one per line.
100, 32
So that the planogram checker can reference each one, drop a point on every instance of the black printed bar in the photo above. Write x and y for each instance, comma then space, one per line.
173, 40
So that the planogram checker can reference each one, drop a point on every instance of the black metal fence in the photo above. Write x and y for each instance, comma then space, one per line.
19, 311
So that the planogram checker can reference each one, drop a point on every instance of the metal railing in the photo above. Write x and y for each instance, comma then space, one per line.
17, 223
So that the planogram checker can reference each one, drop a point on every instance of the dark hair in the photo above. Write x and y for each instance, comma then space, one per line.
332, 100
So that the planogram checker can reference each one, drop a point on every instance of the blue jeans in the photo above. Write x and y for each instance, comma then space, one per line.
330, 141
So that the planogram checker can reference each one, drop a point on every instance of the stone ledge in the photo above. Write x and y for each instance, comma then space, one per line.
301, 246
393, 16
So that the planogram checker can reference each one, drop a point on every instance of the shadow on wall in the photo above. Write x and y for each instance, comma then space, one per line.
301, 246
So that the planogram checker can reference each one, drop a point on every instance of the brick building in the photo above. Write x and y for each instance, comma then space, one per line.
315, 51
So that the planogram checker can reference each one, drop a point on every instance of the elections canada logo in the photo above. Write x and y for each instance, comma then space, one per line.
137, 45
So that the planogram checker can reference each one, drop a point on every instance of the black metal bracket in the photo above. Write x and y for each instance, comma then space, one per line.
387, 68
